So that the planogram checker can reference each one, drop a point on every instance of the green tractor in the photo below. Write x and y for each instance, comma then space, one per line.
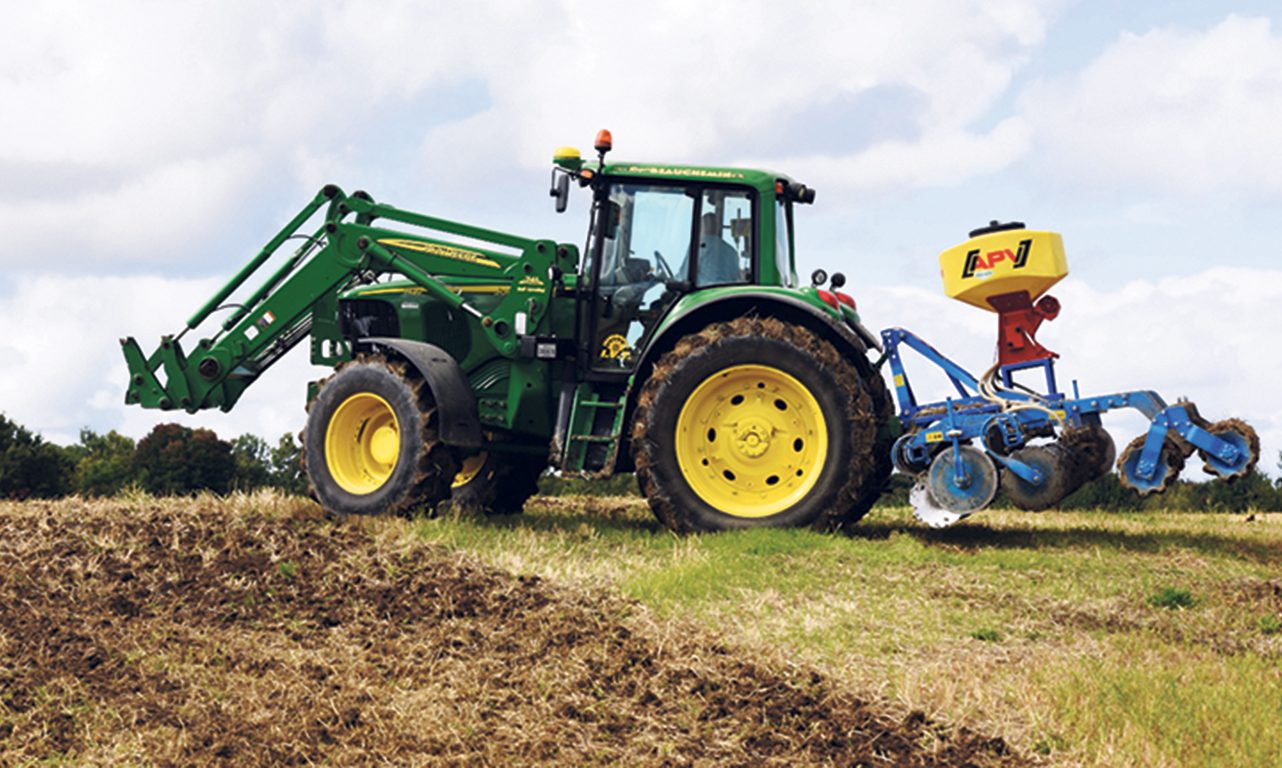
467, 361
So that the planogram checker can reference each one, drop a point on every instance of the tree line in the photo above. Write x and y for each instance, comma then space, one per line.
176, 460
170, 460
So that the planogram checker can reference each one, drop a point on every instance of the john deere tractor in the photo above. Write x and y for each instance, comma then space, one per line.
679, 345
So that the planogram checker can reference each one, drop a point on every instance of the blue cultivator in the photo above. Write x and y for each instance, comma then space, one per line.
964, 448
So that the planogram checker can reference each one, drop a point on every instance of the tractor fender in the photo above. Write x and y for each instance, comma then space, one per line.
761, 303
727, 307
459, 422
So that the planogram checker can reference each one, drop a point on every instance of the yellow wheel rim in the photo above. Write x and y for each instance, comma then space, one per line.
751, 441
471, 468
362, 443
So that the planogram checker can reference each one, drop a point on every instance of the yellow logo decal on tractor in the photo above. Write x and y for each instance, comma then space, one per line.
703, 173
444, 251
615, 347
899, 379
530, 284
934, 437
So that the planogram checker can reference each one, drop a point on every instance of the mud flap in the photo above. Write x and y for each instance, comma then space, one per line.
459, 423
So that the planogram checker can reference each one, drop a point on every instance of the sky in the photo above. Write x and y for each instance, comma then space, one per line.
147, 150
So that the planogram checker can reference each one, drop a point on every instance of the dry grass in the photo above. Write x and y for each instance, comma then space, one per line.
254, 631
1056, 631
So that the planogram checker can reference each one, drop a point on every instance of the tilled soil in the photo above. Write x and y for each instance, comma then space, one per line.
257, 632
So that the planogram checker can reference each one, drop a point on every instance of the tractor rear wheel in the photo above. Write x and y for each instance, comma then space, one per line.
496, 483
371, 443
882, 450
754, 422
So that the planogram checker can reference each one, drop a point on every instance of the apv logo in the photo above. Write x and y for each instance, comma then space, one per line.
976, 261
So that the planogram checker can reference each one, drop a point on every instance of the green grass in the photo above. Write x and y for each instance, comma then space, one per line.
1171, 597
1075, 635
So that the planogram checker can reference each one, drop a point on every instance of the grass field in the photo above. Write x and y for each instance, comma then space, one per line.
1097, 639
254, 630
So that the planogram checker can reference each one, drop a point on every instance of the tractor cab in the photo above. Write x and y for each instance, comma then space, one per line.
663, 238
660, 232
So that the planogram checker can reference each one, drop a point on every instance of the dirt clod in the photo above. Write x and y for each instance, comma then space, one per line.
193, 632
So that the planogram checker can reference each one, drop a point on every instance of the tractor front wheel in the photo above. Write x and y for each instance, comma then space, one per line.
754, 422
371, 443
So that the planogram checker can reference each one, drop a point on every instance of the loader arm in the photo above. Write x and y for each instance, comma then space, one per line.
345, 250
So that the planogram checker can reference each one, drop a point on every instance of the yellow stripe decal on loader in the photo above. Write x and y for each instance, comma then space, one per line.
444, 251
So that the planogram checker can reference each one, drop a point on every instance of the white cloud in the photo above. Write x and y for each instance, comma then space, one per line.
703, 83
946, 158
1209, 337
143, 124
64, 369
133, 112
157, 214
1189, 111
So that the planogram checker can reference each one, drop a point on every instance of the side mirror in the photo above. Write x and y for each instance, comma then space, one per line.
560, 190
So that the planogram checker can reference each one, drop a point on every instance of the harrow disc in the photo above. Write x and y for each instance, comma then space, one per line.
1170, 462
1241, 436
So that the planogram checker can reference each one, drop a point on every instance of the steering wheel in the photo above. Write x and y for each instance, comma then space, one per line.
664, 270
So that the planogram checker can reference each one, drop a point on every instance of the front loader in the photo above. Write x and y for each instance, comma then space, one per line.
466, 361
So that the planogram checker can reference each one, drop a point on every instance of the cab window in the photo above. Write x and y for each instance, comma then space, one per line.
648, 230
724, 254
783, 249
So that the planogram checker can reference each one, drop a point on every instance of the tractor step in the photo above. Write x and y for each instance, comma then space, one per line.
595, 426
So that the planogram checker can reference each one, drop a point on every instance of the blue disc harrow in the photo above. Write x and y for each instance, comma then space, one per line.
1040, 446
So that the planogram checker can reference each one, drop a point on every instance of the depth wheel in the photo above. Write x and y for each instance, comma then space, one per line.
1170, 462
973, 493
1050, 461
496, 483
754, 422
371, 442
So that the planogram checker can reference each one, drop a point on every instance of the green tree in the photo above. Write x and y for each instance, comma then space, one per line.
285, 464
104, 463
173, 459
253, 462
30, 467
1254, 491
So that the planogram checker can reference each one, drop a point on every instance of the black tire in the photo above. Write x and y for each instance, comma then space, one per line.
423, 466
501, 485
882, 455
843, 401
1051, 462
